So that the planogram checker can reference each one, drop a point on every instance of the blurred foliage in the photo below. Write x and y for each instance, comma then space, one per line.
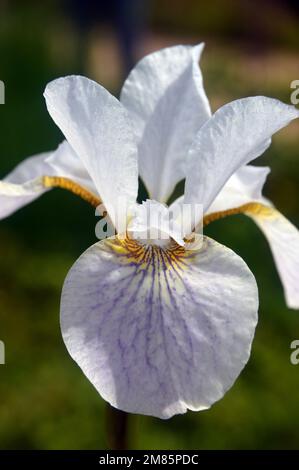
46, 403
257, 22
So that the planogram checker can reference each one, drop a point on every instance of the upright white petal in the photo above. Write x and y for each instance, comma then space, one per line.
236, 134
159, 331
165, 97
23, 185
98, 128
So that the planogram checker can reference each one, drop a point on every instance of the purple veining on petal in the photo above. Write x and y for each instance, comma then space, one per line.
158, 330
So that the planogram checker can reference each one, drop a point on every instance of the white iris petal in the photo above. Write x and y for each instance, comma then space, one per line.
157, 330
66, 163
236, 134
23, 185
244, 187
283, 238
152, 223
167, 103
98, 128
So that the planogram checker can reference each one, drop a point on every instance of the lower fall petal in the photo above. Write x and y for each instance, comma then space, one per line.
158, 331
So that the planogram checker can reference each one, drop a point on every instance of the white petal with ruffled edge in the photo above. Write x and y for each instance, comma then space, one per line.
167, 103
236, 134
23, 185
98, 128
158, 331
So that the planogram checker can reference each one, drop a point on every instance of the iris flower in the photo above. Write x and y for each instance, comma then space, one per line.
158, 328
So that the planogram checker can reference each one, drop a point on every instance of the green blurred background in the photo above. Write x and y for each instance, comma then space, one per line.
45, 401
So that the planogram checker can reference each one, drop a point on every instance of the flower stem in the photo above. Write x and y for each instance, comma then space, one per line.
117, 425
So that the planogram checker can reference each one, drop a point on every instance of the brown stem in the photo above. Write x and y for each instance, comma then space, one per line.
117, 428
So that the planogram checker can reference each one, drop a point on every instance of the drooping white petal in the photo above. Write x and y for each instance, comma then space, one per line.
165, 97
236, 134
283, 238
23, 185
98, 128
243, 187
158, 331
29, 169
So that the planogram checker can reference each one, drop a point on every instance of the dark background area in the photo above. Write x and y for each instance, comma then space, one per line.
251, 48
